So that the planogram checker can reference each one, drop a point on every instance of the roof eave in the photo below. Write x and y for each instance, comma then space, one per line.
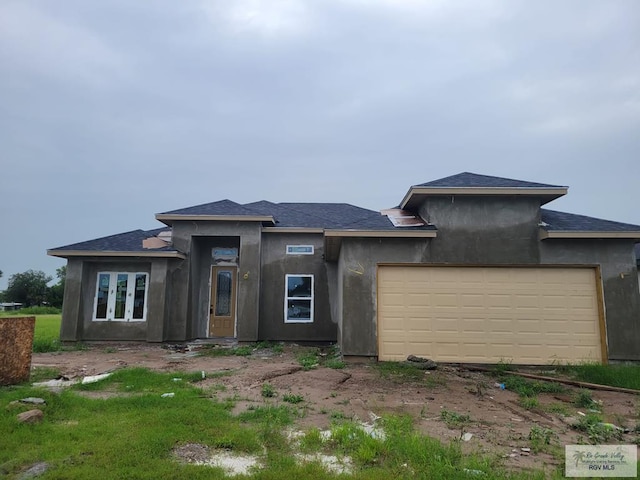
291, 230
111, 253
546, 234
400, 233
168, 219
545, 194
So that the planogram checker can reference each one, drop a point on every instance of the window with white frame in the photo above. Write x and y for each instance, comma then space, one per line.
121, 297
298, 299
299, 249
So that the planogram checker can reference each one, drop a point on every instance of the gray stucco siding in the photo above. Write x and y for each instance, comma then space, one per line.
276, 264
620, 286
483, 230
358, 264
189, 284
87, 328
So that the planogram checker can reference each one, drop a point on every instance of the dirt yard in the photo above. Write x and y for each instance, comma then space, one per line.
497, 422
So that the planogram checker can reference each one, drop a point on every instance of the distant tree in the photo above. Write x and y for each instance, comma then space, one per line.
61, 274
29, 288
56, 292
0, 273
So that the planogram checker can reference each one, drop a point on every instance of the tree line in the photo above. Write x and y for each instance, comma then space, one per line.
31, 288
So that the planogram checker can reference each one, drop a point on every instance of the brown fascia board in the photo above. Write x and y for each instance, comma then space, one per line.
548, 194
168, 219
106, 253
546, 234
382, 233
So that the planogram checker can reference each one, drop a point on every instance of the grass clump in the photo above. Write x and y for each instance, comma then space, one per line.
454, 419
530, 388
308, 359
625, 376
542, 439
399, 371
529, 403
597, 431
221, 351
292, 398
583, 399
268, 390
335, 363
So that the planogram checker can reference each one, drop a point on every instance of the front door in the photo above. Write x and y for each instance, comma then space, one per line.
222, 310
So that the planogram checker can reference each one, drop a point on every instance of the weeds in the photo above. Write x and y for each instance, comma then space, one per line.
541, 438
399, 371
626, 376
308, 360
268, 390
335, 363
40, 374
293, 399
454, 419
529, 403
597, 431
583, 399
531, 388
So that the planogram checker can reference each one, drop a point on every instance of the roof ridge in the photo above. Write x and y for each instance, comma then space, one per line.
223, 201
459, 180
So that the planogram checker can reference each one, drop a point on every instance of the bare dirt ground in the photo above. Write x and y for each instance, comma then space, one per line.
498, 423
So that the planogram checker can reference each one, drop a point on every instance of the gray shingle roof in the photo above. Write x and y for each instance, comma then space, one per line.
222, 207
560, 221
121, 242
474, 180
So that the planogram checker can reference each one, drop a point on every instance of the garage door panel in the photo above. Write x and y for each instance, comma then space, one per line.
485, 315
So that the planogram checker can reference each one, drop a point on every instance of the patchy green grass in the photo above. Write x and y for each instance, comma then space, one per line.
530, 388
454, 419
399, 371
308, 359
335, 363
40, 374
596, 430
133, 434
292, 398
625, 376
268, 390
222, 351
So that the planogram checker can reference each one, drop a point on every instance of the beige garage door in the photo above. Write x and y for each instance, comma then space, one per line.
488, 315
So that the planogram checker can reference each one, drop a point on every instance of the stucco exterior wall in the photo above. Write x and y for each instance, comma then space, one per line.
620, 286
189, 282
357, 262
275, 265
483, 230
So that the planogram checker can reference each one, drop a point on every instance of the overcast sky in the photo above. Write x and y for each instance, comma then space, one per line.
111, 112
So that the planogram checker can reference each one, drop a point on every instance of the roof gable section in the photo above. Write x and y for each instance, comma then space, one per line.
474, 180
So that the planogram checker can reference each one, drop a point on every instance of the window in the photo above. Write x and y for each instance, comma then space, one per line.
298, 299
121, 297
299, 249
